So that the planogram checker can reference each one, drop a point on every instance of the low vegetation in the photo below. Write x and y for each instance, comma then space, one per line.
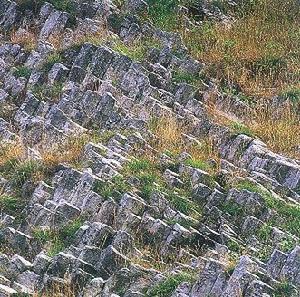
167, 287
57, 239
22, 71
27, 39
256, 56
170, 138
48, 92
288, 214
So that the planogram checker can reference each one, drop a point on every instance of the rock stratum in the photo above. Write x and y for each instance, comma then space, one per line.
116, 176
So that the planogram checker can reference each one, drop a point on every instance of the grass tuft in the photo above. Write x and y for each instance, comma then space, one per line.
168, 286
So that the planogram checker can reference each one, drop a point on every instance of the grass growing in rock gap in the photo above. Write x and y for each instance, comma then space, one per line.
28, 39
168, 286
48, 92
169, 133
18, 169
150, 176
185, 77
11, 205
284, 289
22, 71
50, 61
289, 213
55, 240
239, 128
259, 53
114, 188
136, 50
35, 5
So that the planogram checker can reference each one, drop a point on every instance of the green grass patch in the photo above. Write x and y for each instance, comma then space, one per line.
293, 95
137, 50
234, 246
22, 71
265, 233
137, 165
11, 205
284, 289
169, 285
23, 172
289, 214
199, 164
56, 240
113, 189
185, 77
232, 208
50, 61
163, 13
239, 128
48, 92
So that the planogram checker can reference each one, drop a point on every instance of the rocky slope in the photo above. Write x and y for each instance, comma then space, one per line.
116, 177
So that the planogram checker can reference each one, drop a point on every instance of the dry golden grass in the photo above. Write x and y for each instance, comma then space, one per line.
27, 39
279, 129
79, 37
260, 51
10, 152
69, 152
58, 290
169, 133
281, 134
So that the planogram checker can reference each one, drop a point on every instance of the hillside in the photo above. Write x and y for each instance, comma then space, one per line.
150, 148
